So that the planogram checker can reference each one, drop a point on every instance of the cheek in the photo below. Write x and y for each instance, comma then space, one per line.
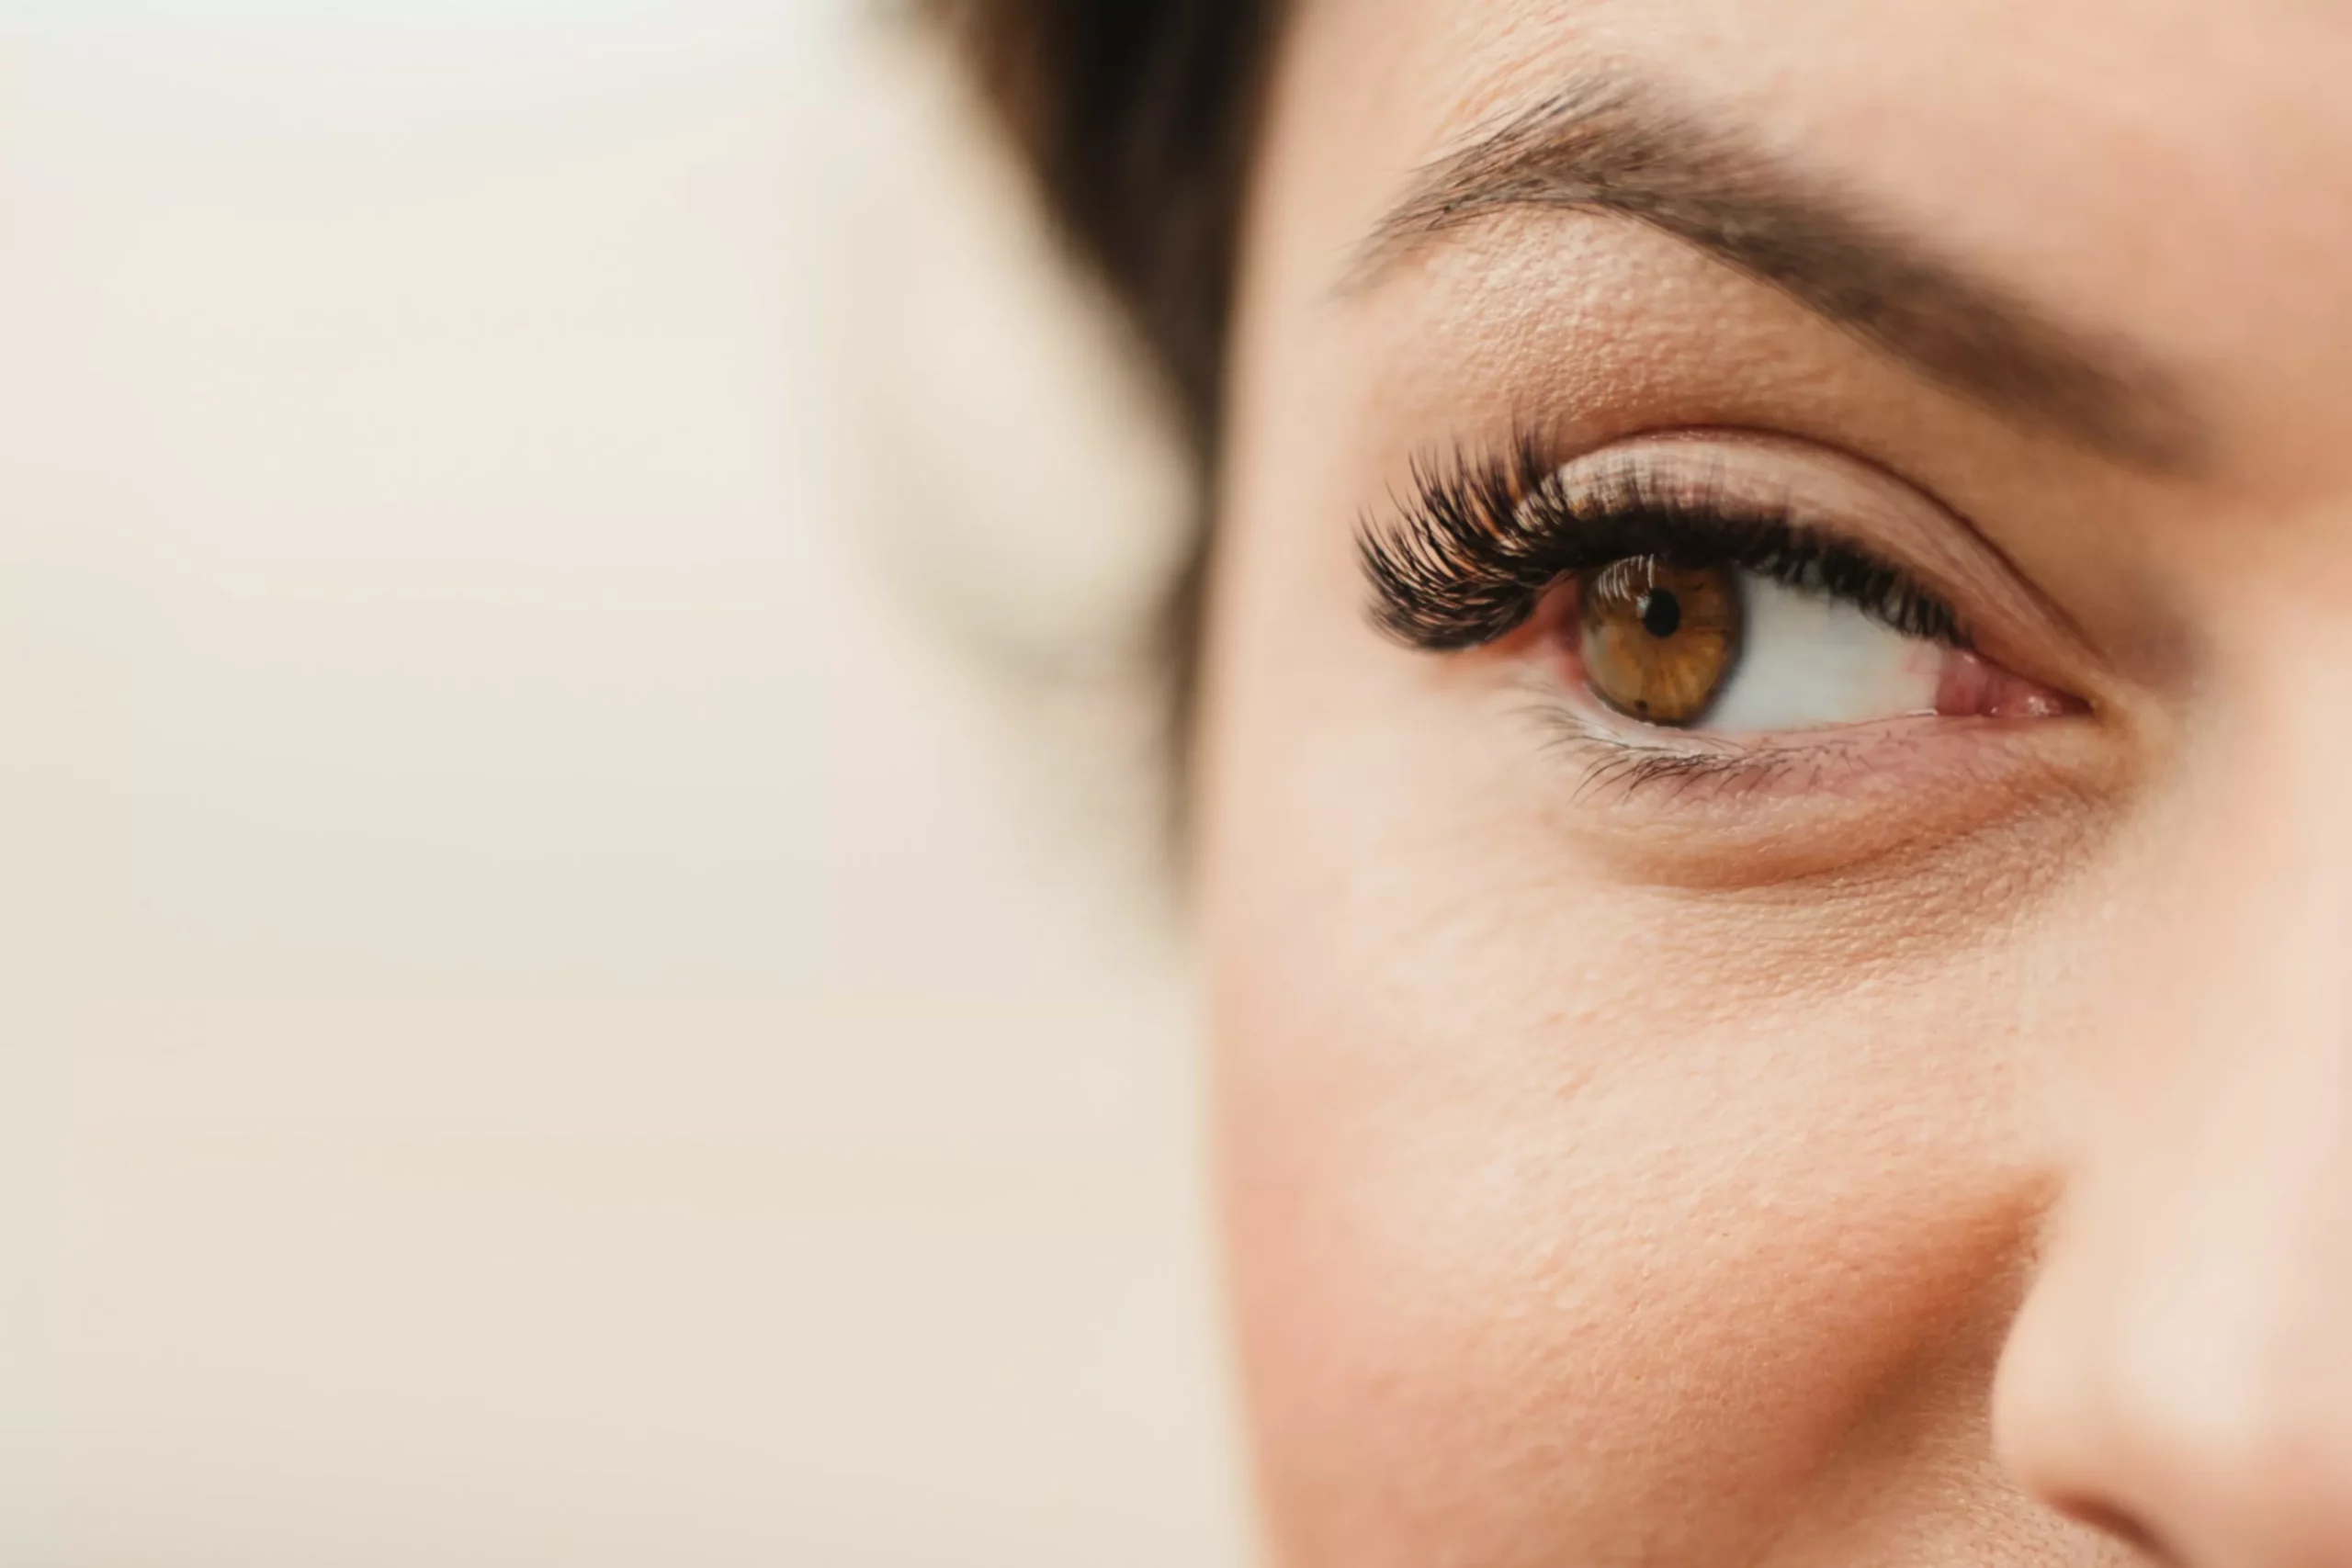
1567, 1221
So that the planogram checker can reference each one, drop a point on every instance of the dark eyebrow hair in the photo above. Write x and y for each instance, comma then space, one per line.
1625, 148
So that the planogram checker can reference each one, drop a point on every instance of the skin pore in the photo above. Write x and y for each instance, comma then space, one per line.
1914, 1136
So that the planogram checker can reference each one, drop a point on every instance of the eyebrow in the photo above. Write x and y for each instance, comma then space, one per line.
1625, 148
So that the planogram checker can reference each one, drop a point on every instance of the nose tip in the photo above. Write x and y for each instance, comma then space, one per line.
2177, 1431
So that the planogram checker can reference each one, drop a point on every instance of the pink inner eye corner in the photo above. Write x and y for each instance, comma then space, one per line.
1974, 687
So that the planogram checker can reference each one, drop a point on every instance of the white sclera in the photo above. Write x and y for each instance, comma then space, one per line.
1809, 661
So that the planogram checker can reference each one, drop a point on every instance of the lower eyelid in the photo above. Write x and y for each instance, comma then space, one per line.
1616, 760
1744, 736
1731, 816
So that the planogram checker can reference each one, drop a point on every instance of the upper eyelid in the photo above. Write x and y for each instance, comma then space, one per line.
1469, 558
1417, 553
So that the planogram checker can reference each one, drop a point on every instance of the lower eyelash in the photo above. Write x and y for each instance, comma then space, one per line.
1634, 771
1613, 765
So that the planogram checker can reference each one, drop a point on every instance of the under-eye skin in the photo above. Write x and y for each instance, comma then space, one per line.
1706, 606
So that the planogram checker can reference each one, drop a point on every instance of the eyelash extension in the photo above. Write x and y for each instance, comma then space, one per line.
1477, 544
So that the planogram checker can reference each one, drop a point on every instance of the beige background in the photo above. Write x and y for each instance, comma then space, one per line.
581, 977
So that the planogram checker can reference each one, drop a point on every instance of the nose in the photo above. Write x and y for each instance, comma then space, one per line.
2180, 1374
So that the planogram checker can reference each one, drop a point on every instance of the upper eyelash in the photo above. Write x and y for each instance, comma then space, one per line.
1477, 546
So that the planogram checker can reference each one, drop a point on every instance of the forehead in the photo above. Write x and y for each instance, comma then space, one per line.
2178, 171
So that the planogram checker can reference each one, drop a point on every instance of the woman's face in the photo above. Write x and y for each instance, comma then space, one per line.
1783, 961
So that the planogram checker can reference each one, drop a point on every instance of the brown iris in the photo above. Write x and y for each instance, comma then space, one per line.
1659, 641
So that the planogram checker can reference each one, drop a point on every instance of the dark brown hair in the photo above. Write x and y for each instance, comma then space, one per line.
1136, 119
1136, 116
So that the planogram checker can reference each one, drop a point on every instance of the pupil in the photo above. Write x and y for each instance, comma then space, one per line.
1661, 614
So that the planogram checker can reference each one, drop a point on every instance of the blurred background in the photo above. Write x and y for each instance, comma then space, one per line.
587, 970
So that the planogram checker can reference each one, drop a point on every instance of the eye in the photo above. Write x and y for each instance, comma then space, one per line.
1745, 586
1734, 650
